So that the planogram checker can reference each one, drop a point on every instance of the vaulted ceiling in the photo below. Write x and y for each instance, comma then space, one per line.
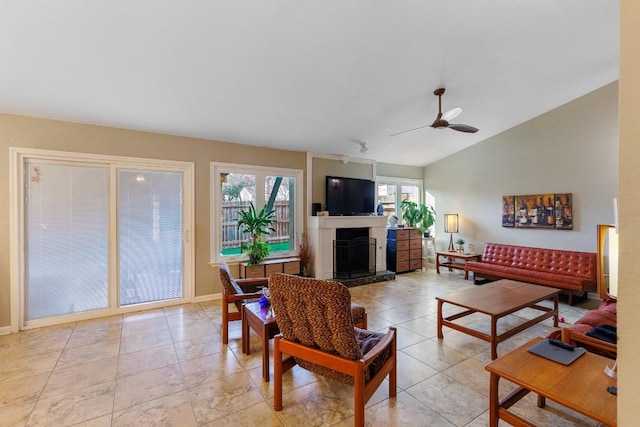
307, 75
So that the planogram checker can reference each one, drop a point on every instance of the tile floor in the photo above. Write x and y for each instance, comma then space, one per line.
168, 367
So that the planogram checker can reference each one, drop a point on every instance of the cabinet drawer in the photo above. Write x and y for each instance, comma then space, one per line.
272, 268
402, 256
292, 267
402, 245
415, 254
402, 266
414, 264
253, 271
402, 234
414, 233
415, 243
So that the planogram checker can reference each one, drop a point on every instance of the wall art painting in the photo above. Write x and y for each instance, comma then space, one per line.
535, 211
563, 211
508, 211
547, 211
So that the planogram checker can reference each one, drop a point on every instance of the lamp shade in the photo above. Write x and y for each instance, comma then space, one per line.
450, 223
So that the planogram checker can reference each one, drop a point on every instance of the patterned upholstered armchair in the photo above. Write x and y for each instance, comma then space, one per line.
317, 329
236, 292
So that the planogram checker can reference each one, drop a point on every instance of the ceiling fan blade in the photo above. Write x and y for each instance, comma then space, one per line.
463, 128
409, 130
451, 113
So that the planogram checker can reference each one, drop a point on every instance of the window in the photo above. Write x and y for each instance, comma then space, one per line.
235, 187
392, 191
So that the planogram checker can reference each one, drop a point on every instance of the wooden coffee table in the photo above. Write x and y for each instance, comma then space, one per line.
263, 323
498, 299
455, 260
581, 386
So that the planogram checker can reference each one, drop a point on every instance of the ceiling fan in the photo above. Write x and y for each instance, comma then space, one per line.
442, 119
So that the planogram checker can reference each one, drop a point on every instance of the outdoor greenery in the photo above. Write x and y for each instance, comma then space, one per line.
257, 224
415, 215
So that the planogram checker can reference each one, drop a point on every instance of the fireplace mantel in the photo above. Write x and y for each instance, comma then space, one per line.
322, 233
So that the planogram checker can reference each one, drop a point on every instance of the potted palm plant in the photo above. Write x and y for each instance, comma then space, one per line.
257, 224
420, 216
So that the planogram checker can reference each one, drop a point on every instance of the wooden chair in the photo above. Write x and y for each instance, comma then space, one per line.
593, 345
233, 292
317, 329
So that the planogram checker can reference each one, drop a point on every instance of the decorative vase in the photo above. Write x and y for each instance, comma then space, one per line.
264, 300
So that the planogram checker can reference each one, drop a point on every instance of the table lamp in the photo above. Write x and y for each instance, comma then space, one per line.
451, 226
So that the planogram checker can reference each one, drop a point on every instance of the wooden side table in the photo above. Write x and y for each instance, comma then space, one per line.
580, 386
455, 260
263, 323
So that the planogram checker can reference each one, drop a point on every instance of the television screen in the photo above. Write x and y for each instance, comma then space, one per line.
350, 196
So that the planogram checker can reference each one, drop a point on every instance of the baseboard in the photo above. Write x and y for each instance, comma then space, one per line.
5, 330
210, 297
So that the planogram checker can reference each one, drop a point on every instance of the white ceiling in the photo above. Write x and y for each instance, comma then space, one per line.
308, 75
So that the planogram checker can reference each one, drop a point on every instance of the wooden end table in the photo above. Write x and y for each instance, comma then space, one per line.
581, 386
263, 323
498, 299
455, 260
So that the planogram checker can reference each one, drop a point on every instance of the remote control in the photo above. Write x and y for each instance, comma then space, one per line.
561, 344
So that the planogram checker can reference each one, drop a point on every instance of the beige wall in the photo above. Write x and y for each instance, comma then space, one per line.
323, 167
17, 131
399, 171
629, 206
572, 149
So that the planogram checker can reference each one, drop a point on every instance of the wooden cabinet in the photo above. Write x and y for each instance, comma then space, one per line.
404, 249
284, 265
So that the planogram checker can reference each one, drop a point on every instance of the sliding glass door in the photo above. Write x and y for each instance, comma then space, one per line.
99, 237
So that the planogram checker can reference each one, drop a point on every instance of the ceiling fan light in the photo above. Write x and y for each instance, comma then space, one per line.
451, 113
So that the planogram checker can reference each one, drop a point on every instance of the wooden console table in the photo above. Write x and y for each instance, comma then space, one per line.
580, 386
455, 260
264, 269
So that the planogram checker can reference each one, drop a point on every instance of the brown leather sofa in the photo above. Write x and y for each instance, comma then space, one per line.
569, 271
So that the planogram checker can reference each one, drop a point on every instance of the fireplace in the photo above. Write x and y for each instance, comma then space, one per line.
323, 232
354, 253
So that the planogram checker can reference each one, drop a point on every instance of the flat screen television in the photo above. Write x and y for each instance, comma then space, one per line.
350, 196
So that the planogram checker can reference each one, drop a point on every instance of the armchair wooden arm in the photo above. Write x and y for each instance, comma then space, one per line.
234, 291
357, 369
591, 344
252, 283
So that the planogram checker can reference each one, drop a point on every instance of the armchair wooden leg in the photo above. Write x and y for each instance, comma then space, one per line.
225, 323
277, 375
358, 396
393, 381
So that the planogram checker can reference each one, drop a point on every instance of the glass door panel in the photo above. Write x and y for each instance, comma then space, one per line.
150, 246
66, 235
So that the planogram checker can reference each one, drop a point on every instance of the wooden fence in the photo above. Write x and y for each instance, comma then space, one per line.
232, 237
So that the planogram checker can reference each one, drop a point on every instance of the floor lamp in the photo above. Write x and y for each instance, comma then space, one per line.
612, 236
451, 226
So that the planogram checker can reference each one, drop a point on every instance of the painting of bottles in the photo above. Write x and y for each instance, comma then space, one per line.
546, 211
